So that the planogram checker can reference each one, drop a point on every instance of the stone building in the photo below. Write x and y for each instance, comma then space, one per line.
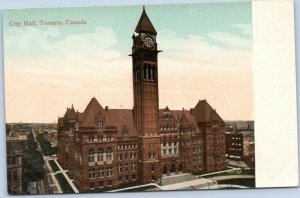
105, 148
15, 145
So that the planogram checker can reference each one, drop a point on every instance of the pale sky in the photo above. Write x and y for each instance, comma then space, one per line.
206, 55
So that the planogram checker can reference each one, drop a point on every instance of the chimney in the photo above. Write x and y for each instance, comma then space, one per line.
106, 108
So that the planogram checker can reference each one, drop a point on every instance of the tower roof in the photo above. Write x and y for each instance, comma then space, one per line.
144, 24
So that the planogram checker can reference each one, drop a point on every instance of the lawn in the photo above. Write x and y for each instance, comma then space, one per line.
53, 165
64, 185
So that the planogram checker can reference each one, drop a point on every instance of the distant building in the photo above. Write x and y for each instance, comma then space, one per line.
15, 145
104, 148
249, 147
234, 146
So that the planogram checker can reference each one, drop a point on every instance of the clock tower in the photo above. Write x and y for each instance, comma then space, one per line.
145, 93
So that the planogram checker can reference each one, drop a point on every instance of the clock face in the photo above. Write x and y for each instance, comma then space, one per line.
148, 42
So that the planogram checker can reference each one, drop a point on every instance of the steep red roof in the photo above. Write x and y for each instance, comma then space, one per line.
70, 114
90, 114
144, 24
203, 112
122, 119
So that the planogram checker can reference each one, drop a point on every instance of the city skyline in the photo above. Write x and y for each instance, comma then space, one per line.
49, 62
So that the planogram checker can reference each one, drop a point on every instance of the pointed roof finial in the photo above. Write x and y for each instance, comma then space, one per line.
144, 24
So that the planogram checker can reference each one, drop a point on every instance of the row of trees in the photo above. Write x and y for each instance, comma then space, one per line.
33, 162
46, 147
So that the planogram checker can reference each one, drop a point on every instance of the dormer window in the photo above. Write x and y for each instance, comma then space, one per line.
167, 116
125, 135
100, 125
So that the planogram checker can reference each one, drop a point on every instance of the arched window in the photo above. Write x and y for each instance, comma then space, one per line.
100, 156
153, 72
91, 155
149, 72
109, 154
125, 135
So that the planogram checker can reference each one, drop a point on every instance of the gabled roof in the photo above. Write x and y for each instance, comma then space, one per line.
144, 24
203, 112
70, 114
89, 116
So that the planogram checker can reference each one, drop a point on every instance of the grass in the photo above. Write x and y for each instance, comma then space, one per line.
64, 185
53, 165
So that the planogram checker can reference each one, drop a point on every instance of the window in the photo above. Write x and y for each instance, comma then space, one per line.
109, 171
101, 172
101, 184
92, 185
92, 173
133, 167
100, 155
100, 138
120, 168
126, 167
120, 156
100, 125
109, 154
125, 135
164, 152
108, 137
152, 167
109, 182
91, 155
126, 156
133, 177
91, 138
120, 178
175, 151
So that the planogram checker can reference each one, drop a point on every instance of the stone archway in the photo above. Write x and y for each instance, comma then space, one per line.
173, 168
165, 170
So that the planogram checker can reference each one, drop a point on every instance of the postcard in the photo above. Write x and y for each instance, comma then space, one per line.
132, 98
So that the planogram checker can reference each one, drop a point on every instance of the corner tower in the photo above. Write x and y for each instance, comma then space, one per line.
145, 93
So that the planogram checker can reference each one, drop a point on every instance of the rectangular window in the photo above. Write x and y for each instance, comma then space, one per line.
101, 185
126, 167
120, 156
110, 171
133, 167
101, 172
91, 138
92, 185
92, 173
152, 167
